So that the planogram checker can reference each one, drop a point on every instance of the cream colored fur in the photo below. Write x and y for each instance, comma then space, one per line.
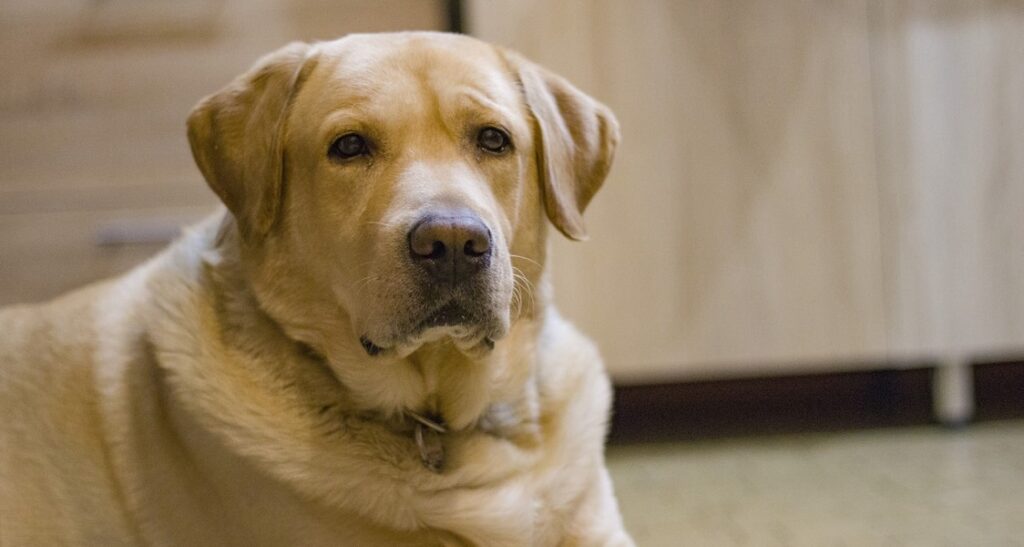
219, 395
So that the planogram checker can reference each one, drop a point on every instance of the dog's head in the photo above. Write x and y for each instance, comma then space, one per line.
396, 184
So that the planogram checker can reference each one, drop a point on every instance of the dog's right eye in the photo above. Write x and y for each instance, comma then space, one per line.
348, 146
493, 140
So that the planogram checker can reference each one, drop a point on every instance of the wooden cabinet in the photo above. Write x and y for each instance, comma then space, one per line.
950, 100
95, 169
801, 185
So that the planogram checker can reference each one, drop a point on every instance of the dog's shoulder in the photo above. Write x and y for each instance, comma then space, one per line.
568, 362
69, 382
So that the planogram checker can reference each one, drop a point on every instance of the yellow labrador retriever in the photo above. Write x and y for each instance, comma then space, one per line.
361, 350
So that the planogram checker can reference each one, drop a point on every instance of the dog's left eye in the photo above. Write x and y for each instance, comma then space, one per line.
348, 146
493, 140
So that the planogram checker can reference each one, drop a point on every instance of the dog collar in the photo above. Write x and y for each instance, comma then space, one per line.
427, 433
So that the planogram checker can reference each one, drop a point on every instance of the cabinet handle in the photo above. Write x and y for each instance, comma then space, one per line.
138, 231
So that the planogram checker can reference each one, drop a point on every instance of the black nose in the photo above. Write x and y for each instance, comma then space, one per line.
450, 247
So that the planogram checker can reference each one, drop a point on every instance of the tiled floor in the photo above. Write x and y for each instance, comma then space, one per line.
924, 486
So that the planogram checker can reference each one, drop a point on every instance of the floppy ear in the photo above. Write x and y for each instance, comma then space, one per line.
575, 140
236, 137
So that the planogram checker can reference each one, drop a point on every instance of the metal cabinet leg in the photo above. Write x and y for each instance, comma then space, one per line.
953, 392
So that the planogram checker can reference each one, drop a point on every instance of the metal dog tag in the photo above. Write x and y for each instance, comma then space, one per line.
431, 448
428, 440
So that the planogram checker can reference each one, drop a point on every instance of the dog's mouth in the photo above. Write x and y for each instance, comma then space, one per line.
470, 327
449, 315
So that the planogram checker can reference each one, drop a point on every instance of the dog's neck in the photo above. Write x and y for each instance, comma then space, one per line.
314, 421
494, 391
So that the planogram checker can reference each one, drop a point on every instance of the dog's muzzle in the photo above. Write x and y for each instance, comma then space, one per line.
450, 255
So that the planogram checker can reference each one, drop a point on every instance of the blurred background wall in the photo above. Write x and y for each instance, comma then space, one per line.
95, 169
803, 186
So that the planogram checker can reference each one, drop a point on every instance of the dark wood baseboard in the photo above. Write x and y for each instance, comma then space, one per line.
456, 16
999, 390
805, 403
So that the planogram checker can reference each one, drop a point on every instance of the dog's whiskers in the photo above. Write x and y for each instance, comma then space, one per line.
521, 284
530, 260
381, 223
517, 300
362, 282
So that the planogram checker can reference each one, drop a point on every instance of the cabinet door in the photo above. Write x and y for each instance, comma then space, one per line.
950, 83
739, 230
95, 166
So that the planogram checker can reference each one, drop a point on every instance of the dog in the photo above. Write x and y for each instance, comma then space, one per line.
360, 348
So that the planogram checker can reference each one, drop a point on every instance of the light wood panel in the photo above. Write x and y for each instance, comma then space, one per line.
950, 94
739, 228
43, 255
93, 102
84, 104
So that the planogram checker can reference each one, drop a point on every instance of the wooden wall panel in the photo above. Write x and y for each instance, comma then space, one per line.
46, 254
950, 96
739, 228
93, 102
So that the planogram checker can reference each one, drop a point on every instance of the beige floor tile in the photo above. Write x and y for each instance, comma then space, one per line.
920, 486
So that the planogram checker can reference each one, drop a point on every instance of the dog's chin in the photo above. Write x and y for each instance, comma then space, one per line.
467, 338
473, 331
